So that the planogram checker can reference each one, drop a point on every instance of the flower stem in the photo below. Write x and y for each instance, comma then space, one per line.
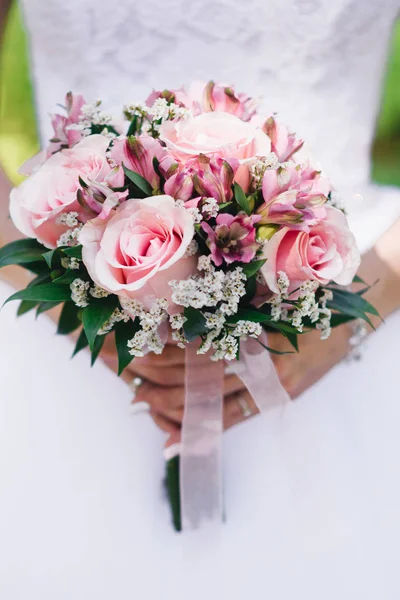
173, 490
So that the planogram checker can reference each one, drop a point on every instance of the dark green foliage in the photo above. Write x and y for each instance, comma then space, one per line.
195, 324
95, 315
123, 333
69, 319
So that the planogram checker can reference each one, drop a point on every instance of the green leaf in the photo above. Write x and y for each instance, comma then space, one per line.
49, 257
133, 127
67, 277
95, 315
47, 292
139, 181
38, 267
253, 267
123, 333
69, 320
350, 303
45, 306
74, 252
41, 278
251, 288
358, 279
272, 351
81, 343
292, 339
338, 319
25, 306
21, 252
281, 326
241, 198
97, 346
195, 324
248, 314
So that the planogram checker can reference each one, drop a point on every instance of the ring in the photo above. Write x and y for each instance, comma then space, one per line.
244, 407
135, 384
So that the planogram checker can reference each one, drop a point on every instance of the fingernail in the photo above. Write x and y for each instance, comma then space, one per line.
172, 451
139, 407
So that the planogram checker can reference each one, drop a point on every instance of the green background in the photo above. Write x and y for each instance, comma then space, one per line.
18, 139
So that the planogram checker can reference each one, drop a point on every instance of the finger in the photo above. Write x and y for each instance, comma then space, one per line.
238, 407
161, 399
171, 355
166, 425
168, 376
170, 401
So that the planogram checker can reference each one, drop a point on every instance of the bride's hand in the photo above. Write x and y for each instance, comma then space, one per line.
163, 389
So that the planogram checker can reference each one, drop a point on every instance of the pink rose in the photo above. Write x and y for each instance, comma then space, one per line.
137, 154
36, 204
209, 97
217, 134
328, 252
140, 248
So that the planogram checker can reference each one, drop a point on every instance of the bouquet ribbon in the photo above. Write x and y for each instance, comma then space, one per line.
201, 497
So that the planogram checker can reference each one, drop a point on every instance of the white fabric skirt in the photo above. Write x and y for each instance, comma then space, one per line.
312, 494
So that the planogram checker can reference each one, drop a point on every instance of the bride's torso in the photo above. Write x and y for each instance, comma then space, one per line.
318, 63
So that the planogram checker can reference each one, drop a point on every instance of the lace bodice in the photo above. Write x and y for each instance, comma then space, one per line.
319, 63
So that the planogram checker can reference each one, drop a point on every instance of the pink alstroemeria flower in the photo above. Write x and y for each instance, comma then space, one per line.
217, 97
65, 136
295, 196
233, 238
283, 143
137, 154
213, 178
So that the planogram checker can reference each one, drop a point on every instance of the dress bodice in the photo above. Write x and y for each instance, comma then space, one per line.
318, 63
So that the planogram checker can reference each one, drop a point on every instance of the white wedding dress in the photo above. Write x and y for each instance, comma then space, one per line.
312, 494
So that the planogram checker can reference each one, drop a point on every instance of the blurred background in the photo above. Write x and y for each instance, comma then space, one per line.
18, 138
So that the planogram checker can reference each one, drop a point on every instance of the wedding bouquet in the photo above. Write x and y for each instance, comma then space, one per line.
194, 217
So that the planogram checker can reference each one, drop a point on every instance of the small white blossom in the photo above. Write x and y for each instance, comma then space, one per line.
179, 337
70, 219
177, 321
225, 348
247, 328
117, 316
196, 214
297, 320
162, 110
214, 320
204, 263
283, 282
70, 263
70, 237
133, 307
79, 292
263, 164
210, 208
336, 201
192, 249
98, 292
